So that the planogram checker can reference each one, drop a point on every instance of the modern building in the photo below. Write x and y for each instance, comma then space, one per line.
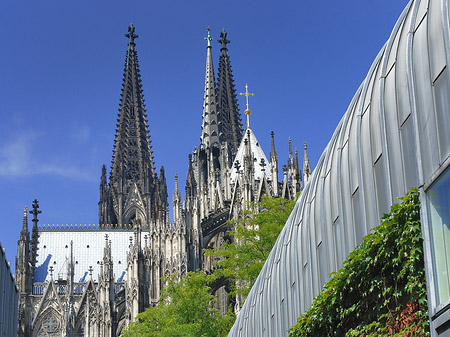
9, 296
393, 136
94, 280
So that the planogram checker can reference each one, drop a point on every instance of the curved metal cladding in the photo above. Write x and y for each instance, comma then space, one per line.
394, 136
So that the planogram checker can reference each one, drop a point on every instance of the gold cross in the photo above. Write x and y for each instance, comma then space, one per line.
246, 94
247, 111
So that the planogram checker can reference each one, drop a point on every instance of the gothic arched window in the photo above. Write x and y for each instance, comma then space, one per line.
50, 327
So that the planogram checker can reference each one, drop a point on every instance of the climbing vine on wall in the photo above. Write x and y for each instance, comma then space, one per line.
380, 290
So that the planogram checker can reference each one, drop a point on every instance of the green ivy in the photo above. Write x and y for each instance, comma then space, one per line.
380, 290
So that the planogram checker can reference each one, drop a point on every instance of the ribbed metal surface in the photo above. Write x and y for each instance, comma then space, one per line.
9, 296
393, 136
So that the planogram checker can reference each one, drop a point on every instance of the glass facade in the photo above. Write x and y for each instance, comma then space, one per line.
438, 196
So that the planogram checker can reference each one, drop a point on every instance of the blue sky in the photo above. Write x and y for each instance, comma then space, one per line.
62, 65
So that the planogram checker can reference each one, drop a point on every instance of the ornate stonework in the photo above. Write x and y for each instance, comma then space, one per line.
94, 280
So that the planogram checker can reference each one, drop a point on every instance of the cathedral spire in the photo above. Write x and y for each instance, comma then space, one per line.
25, 222
131, 189
297, 172
231, 119
274, 167
306, 166
23, 271
34, 232
211, 127
273, 153
132, 146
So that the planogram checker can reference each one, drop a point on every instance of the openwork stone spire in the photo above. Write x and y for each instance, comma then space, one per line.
231, 119
211, 126
131, 190
132, 147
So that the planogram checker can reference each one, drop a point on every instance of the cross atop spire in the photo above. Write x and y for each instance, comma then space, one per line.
131, 35
35, 210
247, 111
223, 39
208, 38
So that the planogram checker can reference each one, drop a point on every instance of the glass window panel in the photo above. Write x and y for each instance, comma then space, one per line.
442, 98
438, 197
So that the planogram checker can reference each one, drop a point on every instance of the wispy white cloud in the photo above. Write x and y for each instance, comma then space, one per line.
19, 158
80, 133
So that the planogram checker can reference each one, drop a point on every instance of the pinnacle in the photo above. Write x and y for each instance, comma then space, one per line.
223, 40
131, 36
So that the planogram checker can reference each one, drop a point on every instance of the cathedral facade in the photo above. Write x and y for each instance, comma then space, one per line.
94, 280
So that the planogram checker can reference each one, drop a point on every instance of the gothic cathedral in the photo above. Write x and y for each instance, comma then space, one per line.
94, 280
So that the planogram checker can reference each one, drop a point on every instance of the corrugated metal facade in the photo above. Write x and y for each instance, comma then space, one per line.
395, 135
9, 296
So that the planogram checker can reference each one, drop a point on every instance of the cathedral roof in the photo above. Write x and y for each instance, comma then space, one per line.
88, 248
257, 153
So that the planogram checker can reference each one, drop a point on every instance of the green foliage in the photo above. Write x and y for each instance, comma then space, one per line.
254, 235
380, 290
186, 309
187, 306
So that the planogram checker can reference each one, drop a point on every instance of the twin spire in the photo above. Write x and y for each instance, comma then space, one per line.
221, 118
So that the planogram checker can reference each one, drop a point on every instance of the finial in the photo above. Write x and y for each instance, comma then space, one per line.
51, 271
35, 213
90, 271
25, 209
305, 145
247, 111
176, 181
208, 38
131, 35
223, 39
262, 164
237, 166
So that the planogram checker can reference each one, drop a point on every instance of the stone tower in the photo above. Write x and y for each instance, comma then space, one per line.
227, 169
94, 280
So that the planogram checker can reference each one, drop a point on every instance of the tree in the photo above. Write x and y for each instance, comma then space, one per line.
255, 233
186, 309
